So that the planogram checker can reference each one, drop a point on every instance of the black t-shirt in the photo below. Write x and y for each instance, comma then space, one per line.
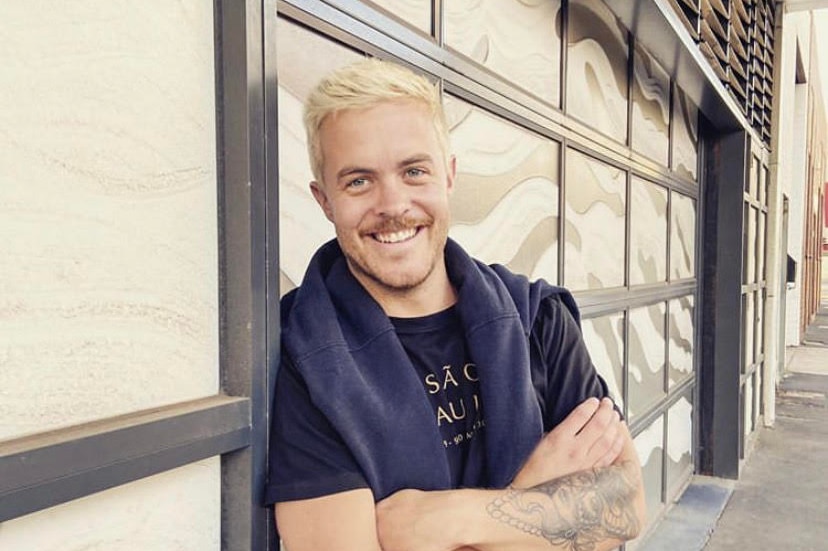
308, 458
437, 349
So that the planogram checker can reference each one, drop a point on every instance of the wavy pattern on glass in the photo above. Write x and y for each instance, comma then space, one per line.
595, 223
303, 59
685, 136
679, 442
681, 339
416, 13
683, 237
647, 353
648, 232
596, 82
505, 203
604, 338
651, 107
518, 39
650, 446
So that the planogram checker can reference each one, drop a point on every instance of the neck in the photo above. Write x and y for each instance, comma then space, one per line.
431, 296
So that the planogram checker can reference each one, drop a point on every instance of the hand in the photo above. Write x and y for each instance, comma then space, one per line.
411, 520
588, 438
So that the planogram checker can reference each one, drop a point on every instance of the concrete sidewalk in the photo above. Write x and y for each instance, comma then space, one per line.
779, 501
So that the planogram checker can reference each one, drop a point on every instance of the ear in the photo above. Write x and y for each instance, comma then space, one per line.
321, 197
451, 174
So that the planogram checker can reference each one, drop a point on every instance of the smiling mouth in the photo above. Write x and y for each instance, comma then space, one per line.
396, 236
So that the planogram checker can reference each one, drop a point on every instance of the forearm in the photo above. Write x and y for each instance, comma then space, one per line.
589, 510
592, 510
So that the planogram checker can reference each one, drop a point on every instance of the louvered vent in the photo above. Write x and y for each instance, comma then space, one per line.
736, 39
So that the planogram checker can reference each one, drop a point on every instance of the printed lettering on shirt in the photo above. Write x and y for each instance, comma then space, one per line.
457, 408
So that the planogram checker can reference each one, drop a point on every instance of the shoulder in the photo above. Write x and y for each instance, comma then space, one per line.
553, 316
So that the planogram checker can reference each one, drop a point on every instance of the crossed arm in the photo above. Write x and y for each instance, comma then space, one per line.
580, 490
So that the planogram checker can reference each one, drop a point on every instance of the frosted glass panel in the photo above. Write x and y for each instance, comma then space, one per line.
749, 327
648, 232
416, 13
647, 358
595, 223
504, 170
685, 136
604, 338
760, 324
757, 396
750, 267
596, 83
651, 108
748, 405
650, 447
760, 247
518, 40
683, 238
303, 58
109, 286
681, 339
178, 509
679, 442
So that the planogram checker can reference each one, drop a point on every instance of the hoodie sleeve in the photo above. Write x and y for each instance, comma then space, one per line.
562, 372
307, 456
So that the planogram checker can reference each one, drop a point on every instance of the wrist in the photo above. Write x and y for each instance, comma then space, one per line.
469, 519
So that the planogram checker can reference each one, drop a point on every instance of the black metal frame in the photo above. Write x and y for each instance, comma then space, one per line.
50, 468
248, 194
720, 412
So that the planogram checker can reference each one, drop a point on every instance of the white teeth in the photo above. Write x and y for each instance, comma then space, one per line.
395, 237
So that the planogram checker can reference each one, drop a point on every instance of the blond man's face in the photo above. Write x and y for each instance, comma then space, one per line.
386, 185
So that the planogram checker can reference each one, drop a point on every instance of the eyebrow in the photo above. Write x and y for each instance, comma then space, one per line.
352, 170
416, 159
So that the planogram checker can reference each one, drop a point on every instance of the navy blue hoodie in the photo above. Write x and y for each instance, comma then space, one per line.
358, 375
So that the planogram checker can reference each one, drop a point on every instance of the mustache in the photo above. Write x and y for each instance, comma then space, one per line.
398, 223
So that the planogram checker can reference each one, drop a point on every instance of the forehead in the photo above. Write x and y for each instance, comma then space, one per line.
383, 113
388, 129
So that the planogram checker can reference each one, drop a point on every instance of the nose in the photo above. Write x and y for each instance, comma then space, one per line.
393, 198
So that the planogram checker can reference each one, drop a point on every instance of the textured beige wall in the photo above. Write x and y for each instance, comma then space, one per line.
108, 277
108, 256
177, 510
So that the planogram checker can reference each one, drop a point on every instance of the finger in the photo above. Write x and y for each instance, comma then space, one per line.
603, 417
612, 452
579, 417
599, 436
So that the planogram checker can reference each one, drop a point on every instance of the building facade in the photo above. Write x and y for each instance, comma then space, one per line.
661, 158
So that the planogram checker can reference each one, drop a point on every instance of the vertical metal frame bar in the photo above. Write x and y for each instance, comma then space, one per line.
244, 239
562, 212
564, 54
720, 374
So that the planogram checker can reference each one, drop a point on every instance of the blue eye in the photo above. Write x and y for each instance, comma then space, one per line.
358, 182
415, 172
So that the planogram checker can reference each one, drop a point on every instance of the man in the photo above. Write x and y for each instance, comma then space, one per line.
426, 401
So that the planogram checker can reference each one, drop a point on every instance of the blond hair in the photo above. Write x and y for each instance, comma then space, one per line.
362, 85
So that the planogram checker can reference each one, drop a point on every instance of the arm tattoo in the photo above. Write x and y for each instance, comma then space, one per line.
574, 512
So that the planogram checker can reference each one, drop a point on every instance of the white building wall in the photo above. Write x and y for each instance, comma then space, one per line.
792, 157
108, 261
